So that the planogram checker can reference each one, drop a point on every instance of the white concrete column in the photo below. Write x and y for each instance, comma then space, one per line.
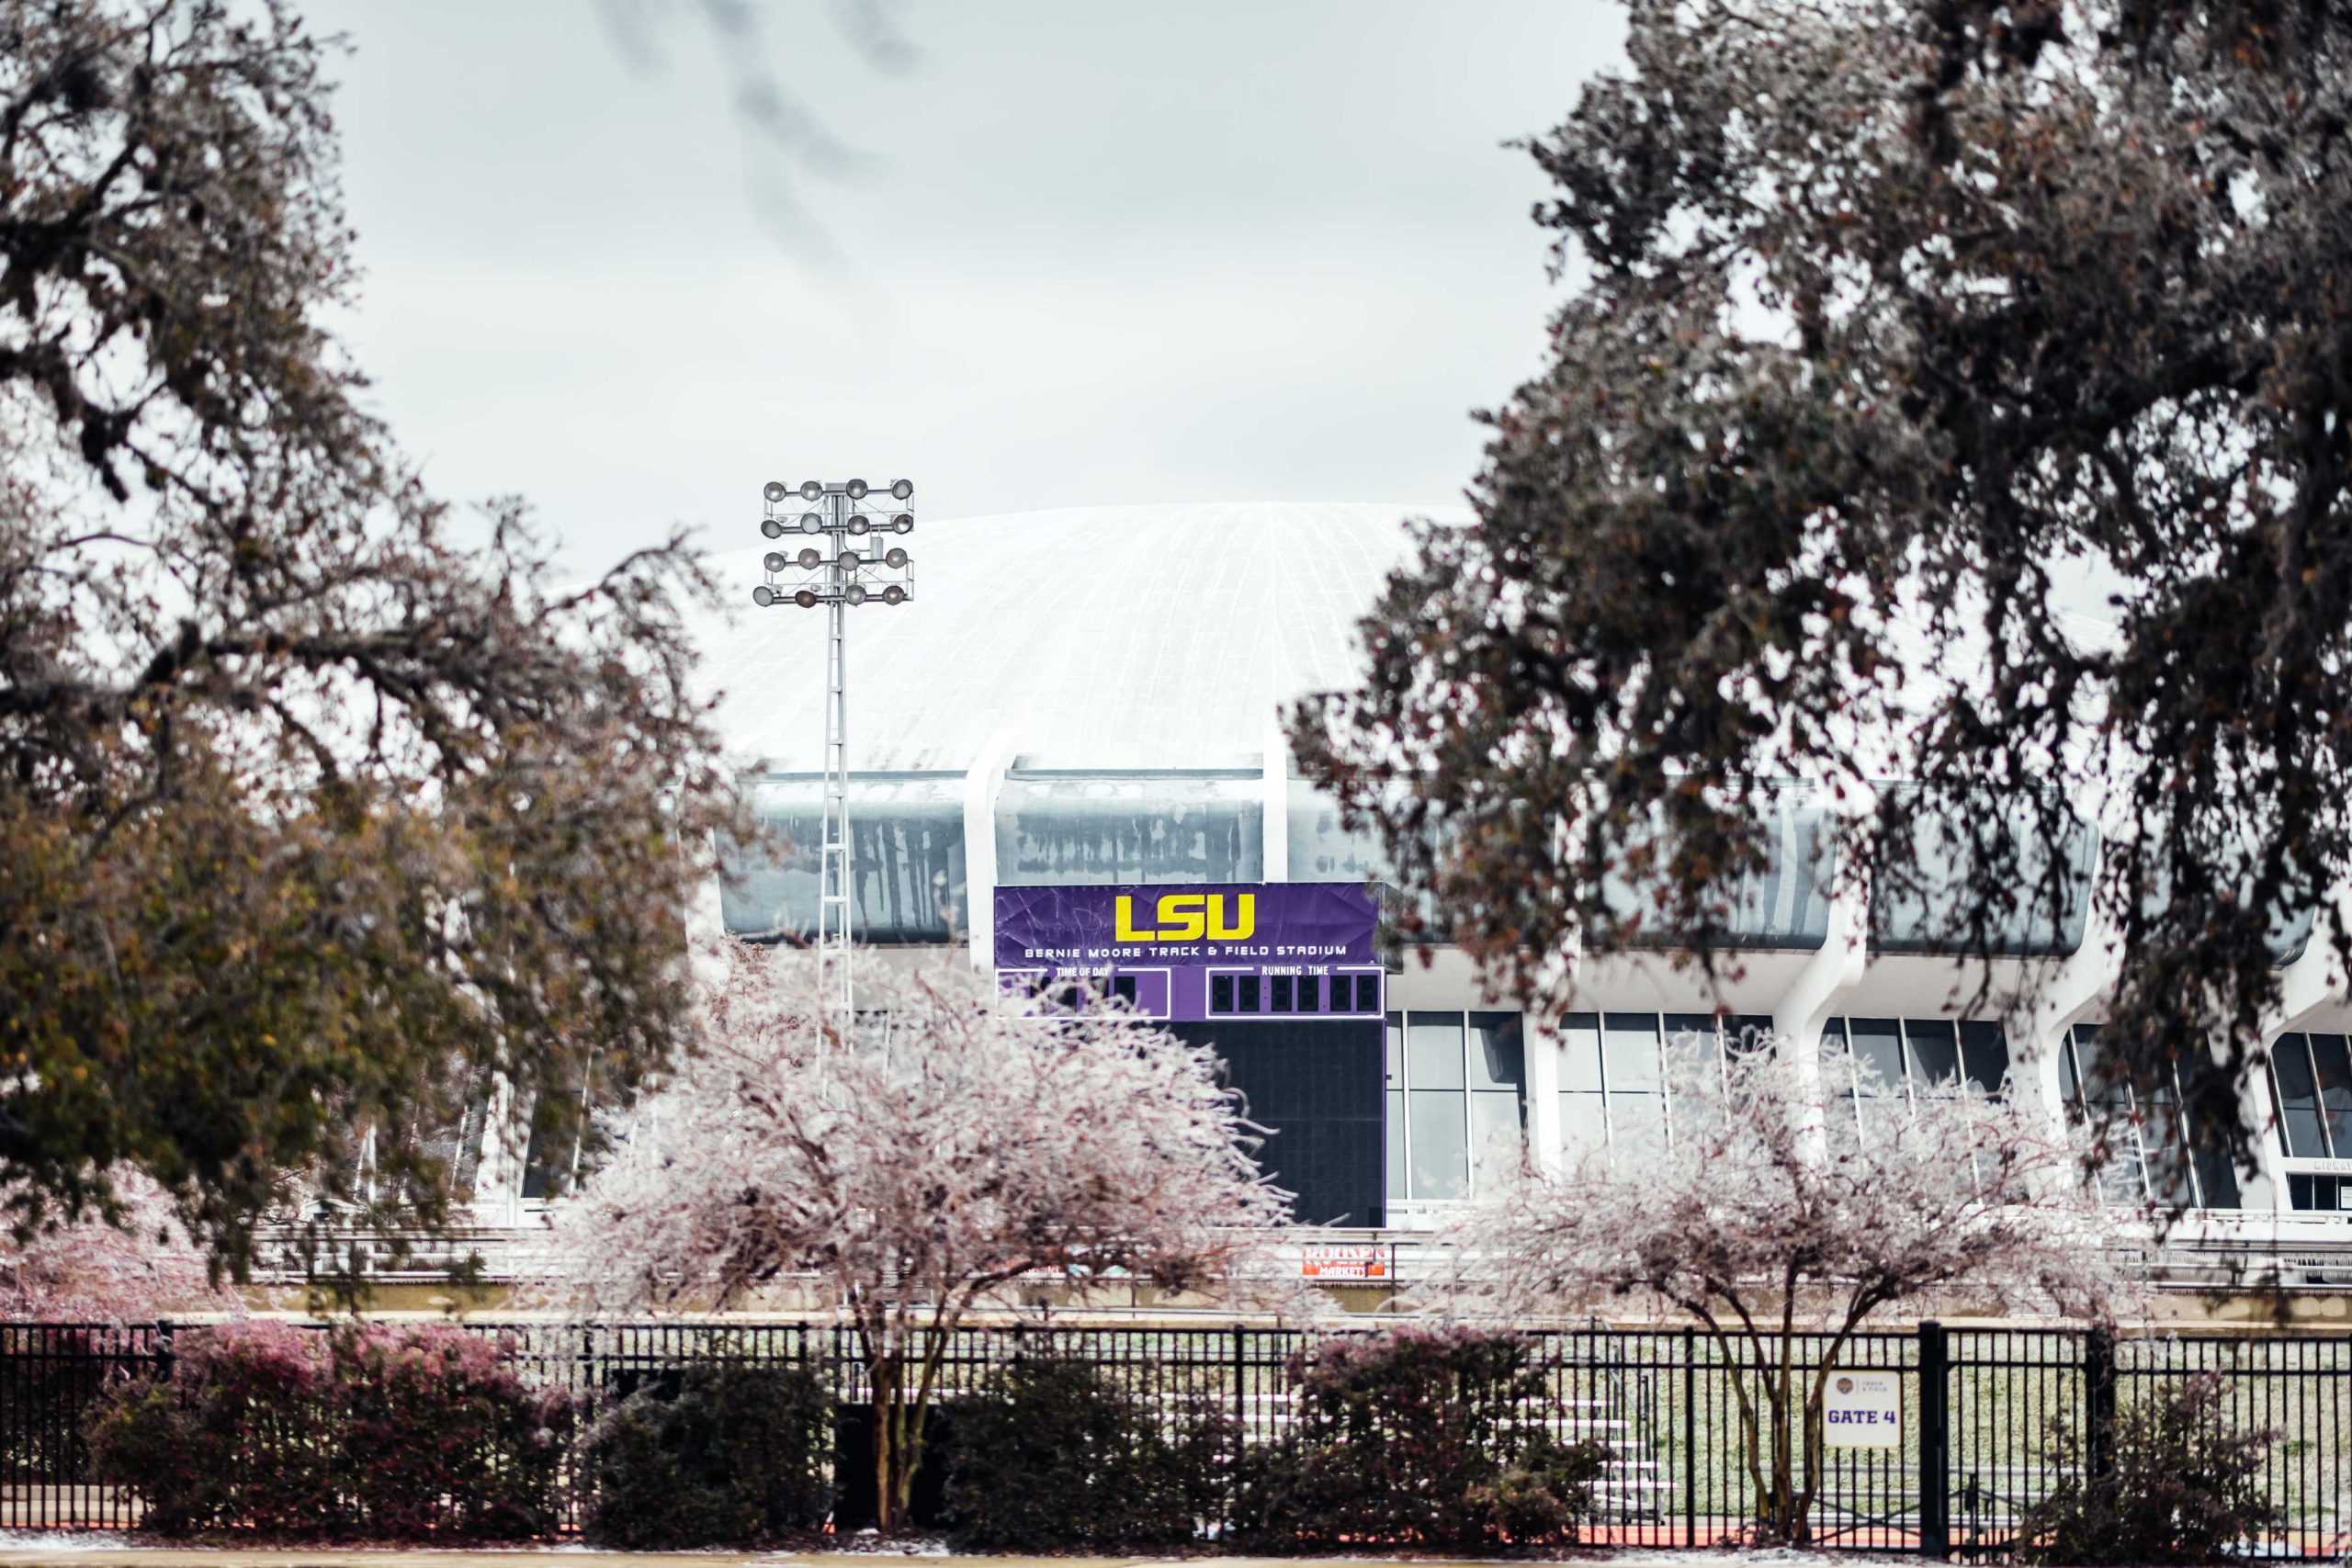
982, 781
1274, 804
1543, 1046
498, 1179
2062, 994
1820, 988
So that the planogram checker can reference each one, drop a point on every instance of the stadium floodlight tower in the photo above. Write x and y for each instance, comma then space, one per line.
847, 556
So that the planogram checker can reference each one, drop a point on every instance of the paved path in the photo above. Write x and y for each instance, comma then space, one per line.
27, 1551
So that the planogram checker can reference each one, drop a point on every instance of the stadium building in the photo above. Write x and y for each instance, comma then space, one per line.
1088, 698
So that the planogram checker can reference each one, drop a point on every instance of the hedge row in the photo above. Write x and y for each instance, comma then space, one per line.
1428, 1438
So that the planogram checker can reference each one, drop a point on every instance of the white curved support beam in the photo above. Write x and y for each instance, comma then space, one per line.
1274, 804
982, 781
1543, 1046
1819, 991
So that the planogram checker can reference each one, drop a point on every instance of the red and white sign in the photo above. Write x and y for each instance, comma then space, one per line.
1343, 1260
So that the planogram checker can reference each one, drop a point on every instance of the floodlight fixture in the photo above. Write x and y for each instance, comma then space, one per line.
833, 568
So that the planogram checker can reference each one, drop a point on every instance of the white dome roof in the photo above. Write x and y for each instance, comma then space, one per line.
1112, 637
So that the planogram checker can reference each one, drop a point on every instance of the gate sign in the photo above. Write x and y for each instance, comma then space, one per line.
1863, 1410
1250, 925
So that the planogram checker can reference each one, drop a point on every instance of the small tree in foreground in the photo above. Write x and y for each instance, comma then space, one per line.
949, 1142
1748, 1213
2184, 1485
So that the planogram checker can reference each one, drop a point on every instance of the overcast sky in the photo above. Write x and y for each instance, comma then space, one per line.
1104, 252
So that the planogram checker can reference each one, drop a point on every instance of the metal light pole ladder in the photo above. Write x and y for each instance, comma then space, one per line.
834, 872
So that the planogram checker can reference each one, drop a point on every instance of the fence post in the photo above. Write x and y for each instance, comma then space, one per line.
1935, 1440
2099, 1402
1690, 1436
1240, 1400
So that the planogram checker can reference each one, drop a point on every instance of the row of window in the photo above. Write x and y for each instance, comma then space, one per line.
1457, 1083
2310, 1086
2151, 1153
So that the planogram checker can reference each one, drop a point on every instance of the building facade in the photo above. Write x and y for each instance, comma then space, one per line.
1093, 698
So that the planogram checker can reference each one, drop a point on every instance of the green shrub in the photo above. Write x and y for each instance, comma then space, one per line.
415, 1433
1431, 1438
718, 1455
1050, 1455
439, 1436
2183, 1486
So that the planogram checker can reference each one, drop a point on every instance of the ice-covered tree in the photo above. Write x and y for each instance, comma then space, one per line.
1781, 1225
132, 1262
910, 1164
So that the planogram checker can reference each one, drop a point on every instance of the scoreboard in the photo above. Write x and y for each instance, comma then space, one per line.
1280, 978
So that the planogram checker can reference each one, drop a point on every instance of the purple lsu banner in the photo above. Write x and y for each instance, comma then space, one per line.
1250, 923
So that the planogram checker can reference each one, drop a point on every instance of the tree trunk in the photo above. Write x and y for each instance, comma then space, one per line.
908, 1456
886, 1494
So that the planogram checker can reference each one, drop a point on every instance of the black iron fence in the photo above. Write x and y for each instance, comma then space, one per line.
1950, 1476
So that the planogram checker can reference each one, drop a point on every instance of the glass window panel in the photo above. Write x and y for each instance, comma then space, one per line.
906, 857
1878, 1044
1582, 1127
1440, 1154
2334, 1088
1497, 1134
1629, 1050
1396, 1187
1395, 1034
1498, 1055
1635, 1117
1085, 826
2165, 1148
2290, 1061
1581, 1051
2124, 1176
1934, 1044
1702, 1024
1984, 1056
2216, 1179
1433, 1050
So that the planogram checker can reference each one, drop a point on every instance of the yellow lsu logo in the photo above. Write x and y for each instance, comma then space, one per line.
1187, 916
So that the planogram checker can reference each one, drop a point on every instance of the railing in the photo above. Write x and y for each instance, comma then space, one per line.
1969, 1454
